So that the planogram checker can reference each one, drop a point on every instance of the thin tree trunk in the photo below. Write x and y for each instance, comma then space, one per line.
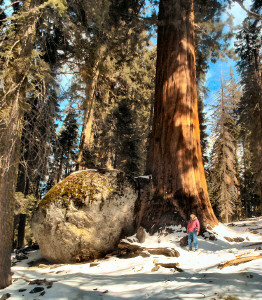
22, 181
21, 231
226, 218
60, 169
108, 152
147, 167
175, 159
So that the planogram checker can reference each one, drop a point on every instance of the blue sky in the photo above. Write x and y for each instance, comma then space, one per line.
214, 72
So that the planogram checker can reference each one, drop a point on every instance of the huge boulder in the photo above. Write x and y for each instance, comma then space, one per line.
84, 216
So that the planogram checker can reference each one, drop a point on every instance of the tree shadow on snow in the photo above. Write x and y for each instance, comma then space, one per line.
157, 286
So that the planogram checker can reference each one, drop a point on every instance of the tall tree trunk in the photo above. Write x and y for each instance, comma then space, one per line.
11, 117
9, 153
175, 159
86, 135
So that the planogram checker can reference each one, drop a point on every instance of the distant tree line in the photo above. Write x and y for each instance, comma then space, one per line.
235, 166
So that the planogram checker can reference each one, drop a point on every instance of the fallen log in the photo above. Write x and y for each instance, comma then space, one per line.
255, 244
170, 265
237, 239
238, 261
167, 265
132, 250
170, 252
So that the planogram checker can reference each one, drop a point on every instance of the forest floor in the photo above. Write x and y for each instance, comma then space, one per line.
202, 274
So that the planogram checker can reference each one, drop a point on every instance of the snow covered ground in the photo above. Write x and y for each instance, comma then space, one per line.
133, 278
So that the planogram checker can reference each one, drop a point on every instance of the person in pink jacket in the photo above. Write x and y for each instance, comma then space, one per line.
193, 228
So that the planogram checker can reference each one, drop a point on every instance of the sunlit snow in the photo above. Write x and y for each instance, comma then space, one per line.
133, 278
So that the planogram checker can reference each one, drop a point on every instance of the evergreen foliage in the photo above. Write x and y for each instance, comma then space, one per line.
111, 42
124, 108
23, 73
212, 42
224, 168
64, 145
39, 120
249, 49
24, 205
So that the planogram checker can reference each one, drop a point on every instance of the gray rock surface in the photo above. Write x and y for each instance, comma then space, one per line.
84, 216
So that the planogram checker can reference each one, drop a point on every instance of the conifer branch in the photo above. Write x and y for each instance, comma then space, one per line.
16, 87
60, 6
10, 52
201, 29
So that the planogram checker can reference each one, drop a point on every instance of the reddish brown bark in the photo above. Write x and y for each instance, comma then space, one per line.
175, 159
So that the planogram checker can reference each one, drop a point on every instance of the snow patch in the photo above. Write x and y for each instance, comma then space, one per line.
134, 278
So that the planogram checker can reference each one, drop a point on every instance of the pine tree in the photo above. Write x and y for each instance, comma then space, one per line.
64, 146
39, 121
248, 47
67, 143
109, 35
202, 94
19, 63
38, 128
133, 80
224, 170
248, 189
212, 40
127, 140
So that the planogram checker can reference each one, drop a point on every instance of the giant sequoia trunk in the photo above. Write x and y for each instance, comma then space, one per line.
175, 159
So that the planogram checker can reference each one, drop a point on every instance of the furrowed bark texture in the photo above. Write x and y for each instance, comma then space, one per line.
9, 154
11, 118
87, 134
175, 159
6, 229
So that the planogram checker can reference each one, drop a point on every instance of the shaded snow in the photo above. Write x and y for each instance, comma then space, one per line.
133, 278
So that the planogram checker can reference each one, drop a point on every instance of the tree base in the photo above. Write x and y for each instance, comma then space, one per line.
155, 212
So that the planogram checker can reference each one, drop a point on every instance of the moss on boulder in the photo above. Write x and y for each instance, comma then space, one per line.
84, 216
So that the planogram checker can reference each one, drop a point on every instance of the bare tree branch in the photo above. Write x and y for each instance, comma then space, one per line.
249, 12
